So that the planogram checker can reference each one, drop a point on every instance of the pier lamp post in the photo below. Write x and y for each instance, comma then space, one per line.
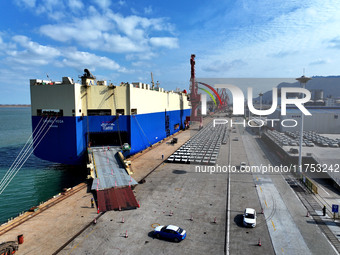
260, 94
303, 80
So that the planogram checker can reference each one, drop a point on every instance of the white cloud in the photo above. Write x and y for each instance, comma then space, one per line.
320, 62
104, 4
223, 66
168, 42
148, 10
141, 56
3, 45
28, 54
121, 2
121, 44
54, 9
35, 48
113, 32
75, 4
80, 60
26, 3
275, 41
94, 26
85, 30
334, 43
31, 53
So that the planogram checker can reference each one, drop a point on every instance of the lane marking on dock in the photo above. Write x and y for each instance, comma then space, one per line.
323, 189
282, 250
266, 203
273, 225
154, 225
257, 178
260, 188
228, 209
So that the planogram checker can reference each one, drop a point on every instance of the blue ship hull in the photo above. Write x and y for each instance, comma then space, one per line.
67, 140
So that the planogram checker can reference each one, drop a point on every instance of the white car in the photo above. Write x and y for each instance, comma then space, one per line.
249, 217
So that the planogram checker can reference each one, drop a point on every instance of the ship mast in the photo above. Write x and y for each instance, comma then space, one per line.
153, 84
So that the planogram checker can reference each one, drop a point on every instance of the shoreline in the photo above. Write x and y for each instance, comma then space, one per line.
14, 105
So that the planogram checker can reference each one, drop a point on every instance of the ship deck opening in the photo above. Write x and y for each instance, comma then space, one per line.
108, 138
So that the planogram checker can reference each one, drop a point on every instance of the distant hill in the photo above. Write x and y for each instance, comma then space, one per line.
329, 84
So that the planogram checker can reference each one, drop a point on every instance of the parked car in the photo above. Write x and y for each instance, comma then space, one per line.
324, 144
170, 232
310, 144
294, 151
249, 217
243, 166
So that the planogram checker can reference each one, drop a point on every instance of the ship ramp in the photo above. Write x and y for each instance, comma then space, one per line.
111, 180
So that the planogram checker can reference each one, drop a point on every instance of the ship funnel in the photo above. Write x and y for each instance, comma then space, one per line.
88, 78
88, 74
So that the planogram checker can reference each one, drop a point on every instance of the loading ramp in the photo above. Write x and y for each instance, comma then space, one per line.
110, 179
116, 199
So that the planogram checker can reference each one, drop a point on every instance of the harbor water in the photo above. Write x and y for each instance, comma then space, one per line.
37, 180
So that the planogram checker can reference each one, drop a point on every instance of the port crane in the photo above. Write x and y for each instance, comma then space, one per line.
195, 98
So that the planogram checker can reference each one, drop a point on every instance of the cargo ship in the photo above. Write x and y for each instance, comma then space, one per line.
67, 117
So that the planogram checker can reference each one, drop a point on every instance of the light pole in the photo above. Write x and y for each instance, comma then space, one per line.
303, 80
261, 94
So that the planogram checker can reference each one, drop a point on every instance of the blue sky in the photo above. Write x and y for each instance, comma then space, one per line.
126, 40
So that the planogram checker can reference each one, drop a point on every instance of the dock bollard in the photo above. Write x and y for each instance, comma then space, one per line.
307, 215
259, 243
191, 218
126, 234
215, 220
171, 213
123, 220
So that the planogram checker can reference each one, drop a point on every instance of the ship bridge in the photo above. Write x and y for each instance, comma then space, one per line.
111, 179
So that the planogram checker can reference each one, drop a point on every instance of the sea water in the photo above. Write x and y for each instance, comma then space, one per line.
37, 180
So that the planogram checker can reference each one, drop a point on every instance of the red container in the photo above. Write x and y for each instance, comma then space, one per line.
20, 239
